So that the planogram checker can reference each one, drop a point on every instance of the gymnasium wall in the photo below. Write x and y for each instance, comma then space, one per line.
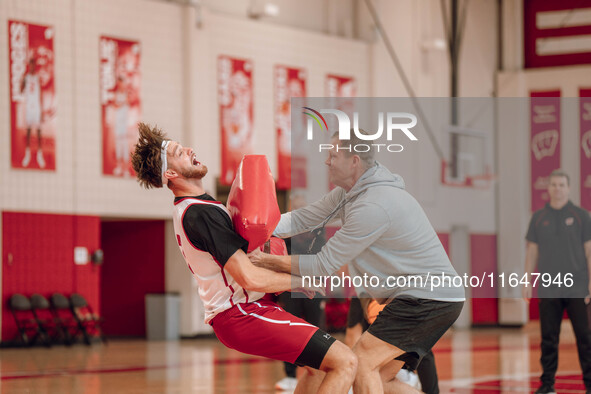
178, 69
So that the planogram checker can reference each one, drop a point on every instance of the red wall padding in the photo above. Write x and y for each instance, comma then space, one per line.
483, 257
42, 250
133, 267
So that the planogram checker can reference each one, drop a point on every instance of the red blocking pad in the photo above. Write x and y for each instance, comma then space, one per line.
252, 201
278, 247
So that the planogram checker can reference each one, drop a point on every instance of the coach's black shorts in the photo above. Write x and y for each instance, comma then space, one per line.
414, 325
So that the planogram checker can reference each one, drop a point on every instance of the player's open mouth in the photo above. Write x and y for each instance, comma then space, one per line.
195, 161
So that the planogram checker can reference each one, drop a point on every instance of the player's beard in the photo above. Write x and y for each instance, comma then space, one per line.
198, 173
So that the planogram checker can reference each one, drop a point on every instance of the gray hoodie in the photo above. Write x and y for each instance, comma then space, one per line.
385, 234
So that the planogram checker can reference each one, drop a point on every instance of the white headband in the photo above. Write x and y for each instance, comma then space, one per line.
163, 158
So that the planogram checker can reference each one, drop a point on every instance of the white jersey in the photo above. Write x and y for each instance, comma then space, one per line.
33, 100
217, 289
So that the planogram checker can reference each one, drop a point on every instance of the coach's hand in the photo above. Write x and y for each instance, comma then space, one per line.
259, 259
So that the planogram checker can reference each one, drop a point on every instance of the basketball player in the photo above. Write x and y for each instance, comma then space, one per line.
31, 87
121, 120
232, 289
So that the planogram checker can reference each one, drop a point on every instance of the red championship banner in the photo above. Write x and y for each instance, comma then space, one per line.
585, 127
544, 143
235, 97
32, 95
120, 83
339, 86
289, 82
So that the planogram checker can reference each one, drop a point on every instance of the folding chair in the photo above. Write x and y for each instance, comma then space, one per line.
47, 321
60, 307
89, 321
29, 330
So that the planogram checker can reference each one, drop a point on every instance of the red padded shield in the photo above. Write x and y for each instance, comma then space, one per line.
253, 202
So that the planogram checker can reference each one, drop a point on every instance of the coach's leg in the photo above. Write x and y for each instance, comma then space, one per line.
389, 381
372, 354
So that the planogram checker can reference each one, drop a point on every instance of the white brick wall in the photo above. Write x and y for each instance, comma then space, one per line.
29, 190
178, 67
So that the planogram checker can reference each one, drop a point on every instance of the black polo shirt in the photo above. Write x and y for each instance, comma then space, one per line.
560, 235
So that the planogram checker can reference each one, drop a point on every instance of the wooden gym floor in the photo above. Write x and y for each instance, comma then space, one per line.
487, 360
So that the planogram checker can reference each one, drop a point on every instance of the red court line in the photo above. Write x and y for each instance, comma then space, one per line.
50, 374
567, 346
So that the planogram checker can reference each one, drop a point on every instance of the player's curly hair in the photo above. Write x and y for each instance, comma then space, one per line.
146, 160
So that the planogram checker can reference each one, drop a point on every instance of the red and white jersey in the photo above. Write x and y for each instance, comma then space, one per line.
217, 289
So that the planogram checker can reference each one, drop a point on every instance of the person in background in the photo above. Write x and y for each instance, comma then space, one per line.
559, 245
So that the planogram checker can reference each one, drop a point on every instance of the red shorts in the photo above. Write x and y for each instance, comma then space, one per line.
263, 329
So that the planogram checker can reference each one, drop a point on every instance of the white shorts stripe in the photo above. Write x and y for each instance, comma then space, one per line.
289, 322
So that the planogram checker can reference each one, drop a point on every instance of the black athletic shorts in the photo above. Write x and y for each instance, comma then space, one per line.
414, 325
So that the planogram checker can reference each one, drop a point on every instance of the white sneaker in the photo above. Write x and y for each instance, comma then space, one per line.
286, 384
40, 159
408, 377
27, 158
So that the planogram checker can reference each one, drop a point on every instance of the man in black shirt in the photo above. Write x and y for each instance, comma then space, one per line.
559, 243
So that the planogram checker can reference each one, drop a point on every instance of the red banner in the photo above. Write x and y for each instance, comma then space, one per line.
235, 98
339, 86
120, 83
32, 95
289, 82
585, 130
544, 143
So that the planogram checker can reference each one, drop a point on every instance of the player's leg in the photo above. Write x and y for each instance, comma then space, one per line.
27, 158
551, 310
427, 372
289, 382
264, 329
309, 380
40, 159
578, 315
340, 366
